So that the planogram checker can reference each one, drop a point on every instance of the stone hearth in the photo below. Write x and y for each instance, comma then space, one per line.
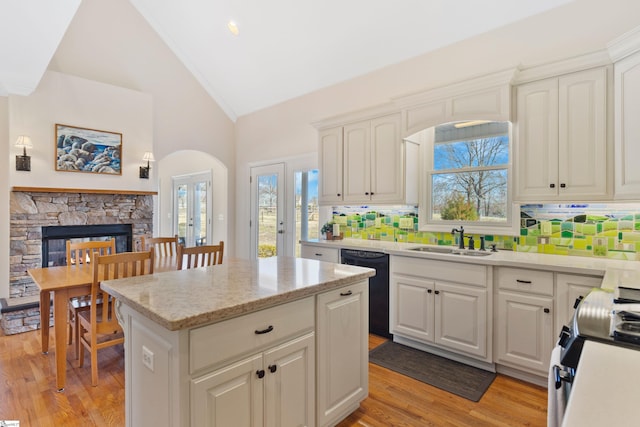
31, 210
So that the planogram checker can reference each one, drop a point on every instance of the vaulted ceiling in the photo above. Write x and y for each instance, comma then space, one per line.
284, 48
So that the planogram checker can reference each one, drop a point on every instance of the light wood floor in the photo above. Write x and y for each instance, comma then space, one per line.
27, 393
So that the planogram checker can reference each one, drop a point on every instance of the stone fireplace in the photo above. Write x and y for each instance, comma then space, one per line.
74, 214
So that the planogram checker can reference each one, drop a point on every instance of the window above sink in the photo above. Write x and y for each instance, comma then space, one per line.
466, 179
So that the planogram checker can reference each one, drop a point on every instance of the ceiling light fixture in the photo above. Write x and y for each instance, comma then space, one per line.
233, 27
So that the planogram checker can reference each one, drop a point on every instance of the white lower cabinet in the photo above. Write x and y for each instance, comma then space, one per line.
525, 327
570, 287
271, 388
320, 253
343, 351
456, 308
524, 331
532, 306
450, 314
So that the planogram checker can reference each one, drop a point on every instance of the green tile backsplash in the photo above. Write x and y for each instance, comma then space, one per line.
598, 230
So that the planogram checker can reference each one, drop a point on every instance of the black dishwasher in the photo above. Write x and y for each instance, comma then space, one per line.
378, 286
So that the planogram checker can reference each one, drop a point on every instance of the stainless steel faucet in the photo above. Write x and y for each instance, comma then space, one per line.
461, 241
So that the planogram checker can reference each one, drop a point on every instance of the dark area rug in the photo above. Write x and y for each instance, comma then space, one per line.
454, 377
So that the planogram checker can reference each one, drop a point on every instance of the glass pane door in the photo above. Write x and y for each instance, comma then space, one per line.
192, 199
306, 199
267, 206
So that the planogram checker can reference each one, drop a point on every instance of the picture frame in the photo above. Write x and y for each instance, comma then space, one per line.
87, 150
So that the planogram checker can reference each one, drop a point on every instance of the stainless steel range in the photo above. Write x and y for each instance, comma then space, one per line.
607, 316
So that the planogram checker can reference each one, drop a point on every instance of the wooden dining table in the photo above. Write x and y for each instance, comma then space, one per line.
63, 283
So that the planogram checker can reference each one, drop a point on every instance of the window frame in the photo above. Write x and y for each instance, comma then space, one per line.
426, 221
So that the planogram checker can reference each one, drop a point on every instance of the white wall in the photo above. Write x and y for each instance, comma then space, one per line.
110, 42
74, 101
284, 130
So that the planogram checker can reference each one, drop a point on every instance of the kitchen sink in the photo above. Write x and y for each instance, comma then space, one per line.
433, 249
453, 251
473, 253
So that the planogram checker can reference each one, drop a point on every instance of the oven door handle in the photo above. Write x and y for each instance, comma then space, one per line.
561, 375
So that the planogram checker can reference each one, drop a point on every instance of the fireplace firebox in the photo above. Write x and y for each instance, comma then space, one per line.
54, 239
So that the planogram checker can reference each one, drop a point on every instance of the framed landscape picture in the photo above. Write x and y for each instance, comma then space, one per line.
88, 150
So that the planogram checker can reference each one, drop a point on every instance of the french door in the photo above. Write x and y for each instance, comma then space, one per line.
267, 210
192, 208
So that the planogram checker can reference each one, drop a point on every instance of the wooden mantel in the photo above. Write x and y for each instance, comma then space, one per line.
81, 190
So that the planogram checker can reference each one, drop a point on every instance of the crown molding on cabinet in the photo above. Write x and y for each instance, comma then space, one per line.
466, 87
356, 116
566, 66
625, 45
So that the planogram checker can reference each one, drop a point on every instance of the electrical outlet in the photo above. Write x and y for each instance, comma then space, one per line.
147, 358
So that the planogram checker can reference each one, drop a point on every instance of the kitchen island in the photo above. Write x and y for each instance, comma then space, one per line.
277, 341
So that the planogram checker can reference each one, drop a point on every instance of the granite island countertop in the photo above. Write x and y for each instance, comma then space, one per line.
190, 298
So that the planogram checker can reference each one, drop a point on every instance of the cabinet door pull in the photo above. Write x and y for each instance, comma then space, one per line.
260, 373
429, 291
528, 282
366, 194
339, 194
563, 185
546, 310
318, 254
346, 294
552, 186
273, 368
437, 292
264, 331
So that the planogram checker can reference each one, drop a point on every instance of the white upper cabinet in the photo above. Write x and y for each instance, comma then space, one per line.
562, 149
330, 153
374, 161
483, 98
627, 124
368, 162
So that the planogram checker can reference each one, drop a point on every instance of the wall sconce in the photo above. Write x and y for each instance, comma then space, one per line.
144, 170
23, 163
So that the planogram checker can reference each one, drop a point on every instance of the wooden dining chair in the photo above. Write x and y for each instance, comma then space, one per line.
163, 246
79, 255
200, 256
99, 327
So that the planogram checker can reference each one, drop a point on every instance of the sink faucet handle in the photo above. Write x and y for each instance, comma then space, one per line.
471, 243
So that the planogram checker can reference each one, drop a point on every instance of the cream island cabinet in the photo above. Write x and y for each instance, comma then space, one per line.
274, 342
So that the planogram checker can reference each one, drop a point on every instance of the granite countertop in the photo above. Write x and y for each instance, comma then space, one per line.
188, 298
558, 263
